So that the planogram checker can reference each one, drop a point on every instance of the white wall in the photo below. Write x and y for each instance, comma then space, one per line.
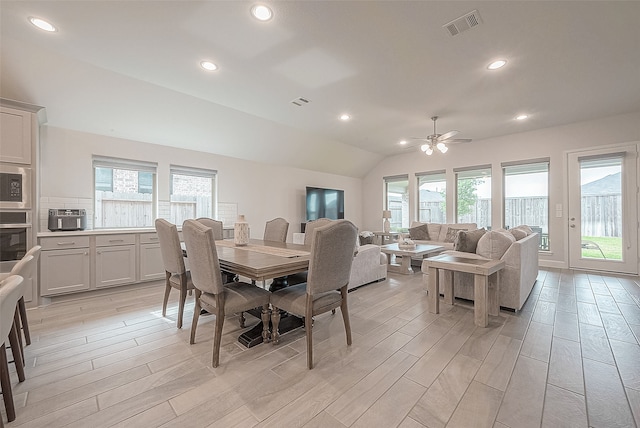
261, 191
549, 142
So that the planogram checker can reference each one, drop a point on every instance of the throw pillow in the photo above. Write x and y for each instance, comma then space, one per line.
419, 232
525, 228
467, 241
452, 233
518, 233
494, 244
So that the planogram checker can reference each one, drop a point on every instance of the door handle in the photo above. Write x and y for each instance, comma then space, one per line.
572, 225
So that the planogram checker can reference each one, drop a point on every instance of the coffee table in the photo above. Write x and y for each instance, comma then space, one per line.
404, 267
485, 283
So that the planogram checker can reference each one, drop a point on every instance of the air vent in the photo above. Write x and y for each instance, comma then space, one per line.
300, 102
464, 23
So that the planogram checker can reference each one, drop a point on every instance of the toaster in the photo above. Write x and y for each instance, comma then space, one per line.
67, 219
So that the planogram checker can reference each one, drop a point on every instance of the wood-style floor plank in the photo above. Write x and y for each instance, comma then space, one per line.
570, 357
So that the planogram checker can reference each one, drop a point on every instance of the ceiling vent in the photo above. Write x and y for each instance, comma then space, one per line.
464, 23
300, 102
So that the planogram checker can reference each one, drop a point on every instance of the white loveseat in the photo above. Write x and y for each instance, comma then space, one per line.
516, 279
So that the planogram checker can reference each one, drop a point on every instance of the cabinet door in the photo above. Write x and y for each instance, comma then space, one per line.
64, 271
151, 266
115, 265
15, 136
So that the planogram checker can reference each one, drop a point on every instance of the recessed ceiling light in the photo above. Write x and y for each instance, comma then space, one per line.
497, 64
42, 24
261, 12
345, 117
208, 65
403, 142
522, 116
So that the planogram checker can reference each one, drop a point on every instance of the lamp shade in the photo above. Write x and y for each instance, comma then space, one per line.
386, 214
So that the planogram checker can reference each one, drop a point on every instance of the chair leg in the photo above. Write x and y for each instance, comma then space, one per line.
183, 299
344, 308
196, 316
217, 338
242, 319
167, 290
16, 323
15, 350
25, 323
5, 382
266, 337
275, 323
308, 328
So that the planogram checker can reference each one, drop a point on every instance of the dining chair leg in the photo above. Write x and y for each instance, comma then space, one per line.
266, 316
308, 327
217, 338
15, 351
242, 320
16, 322
5, 382
25, 323
196, 316
181, 303
344, 308
275, 323
167, 290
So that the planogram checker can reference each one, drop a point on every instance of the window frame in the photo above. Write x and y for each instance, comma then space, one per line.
211, 174
473, 172
404, 214
436, 177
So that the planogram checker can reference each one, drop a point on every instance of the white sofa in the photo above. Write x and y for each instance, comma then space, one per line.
438, 232
516, 279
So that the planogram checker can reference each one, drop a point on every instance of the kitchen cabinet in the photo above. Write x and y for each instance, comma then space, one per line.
15, 135
115, 260
64, 265
151, 266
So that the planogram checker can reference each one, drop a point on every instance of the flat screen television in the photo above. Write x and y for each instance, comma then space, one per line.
324, 203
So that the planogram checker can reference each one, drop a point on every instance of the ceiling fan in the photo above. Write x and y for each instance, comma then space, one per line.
440, 141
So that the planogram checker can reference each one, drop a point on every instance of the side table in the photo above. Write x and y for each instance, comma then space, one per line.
382, 238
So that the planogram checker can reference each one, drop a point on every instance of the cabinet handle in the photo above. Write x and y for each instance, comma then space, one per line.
116, 240
66, 243
86, 253
153, 239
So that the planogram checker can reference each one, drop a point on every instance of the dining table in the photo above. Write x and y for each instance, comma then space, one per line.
259, 261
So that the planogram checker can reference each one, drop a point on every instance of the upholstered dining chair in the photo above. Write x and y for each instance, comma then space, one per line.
176, 274
211, 294
327, 280
10, 292
215, 225
311, 226
276, 230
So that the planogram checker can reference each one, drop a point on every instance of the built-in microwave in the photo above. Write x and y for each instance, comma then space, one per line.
15, 187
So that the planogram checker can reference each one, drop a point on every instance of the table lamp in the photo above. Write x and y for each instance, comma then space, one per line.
386, 215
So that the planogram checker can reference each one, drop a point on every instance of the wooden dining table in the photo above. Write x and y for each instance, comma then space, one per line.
261, 261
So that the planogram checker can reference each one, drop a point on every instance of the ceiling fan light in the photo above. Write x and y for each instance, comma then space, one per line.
429, 151
424, 147
442, 147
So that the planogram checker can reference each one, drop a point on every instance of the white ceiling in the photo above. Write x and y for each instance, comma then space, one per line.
130, 69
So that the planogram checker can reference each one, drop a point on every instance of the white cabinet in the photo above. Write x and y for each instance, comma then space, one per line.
115, 260
151, 267
64, 265
15, 136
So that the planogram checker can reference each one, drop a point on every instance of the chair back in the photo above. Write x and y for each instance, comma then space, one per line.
276, 230
215, 225
311, 226
25, 266
10, 293
203, 257
331, 256
170, 247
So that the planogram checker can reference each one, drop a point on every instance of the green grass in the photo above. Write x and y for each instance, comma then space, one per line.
611, 247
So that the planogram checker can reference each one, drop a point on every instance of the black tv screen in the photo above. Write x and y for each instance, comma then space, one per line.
324, 203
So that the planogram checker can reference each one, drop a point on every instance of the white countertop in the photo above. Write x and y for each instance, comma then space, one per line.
89, 232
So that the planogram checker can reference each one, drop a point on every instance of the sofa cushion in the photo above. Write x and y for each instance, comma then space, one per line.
452, 233
494, 244
420, 232
518, 233
467, 241
524, 228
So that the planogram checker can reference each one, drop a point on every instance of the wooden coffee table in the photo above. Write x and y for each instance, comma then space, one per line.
404, 267
485, 283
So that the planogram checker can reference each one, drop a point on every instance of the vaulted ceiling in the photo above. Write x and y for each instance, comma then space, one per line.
130, 69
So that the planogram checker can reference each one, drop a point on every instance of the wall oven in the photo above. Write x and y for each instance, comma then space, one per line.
15, 187
15, 237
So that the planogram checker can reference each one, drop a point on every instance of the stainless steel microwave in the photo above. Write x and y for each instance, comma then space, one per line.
15, 187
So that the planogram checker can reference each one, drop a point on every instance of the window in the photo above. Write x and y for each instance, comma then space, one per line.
125, 193
396, 193
432, 197
526, 196
473, 195
192, 193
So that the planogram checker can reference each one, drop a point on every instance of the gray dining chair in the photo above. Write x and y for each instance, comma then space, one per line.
10, 292
276, 230
176, 274
215, 225
211, 294
311, 226
327, 280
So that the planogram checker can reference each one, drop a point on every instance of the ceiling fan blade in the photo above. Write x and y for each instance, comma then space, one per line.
448, 135
458, 140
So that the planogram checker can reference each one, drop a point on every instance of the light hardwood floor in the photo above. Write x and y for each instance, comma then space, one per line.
569, 358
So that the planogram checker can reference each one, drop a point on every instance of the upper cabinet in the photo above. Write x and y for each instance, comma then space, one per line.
15, 136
